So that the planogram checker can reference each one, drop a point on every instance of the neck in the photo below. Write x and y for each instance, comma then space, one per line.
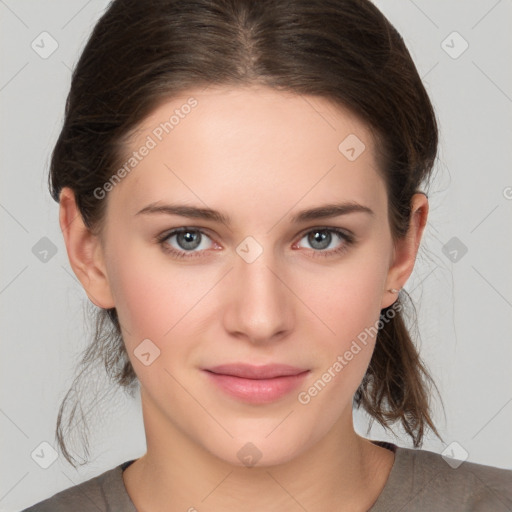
342, 471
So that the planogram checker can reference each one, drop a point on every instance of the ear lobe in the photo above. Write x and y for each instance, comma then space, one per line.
406, 249
85, 252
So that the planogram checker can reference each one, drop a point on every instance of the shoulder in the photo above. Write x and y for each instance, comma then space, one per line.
424, 480
97, 494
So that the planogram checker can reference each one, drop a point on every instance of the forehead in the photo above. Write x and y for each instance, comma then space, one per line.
250, 146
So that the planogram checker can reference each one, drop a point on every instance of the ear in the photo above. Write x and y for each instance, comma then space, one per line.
406, 249
85, 251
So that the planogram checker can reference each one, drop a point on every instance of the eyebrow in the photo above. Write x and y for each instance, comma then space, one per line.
193, 212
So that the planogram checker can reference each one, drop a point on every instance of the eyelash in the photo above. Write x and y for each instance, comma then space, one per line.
347, 238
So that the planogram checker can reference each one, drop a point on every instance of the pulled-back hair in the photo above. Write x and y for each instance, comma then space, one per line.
143, 52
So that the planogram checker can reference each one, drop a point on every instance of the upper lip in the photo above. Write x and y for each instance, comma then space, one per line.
248, 371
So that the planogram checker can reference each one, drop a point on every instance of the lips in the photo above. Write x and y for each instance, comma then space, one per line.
247, 371
256, 384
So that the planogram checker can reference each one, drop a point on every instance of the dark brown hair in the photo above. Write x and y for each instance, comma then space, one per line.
142, 52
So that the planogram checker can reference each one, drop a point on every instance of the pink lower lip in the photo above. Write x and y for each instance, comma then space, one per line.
257, 391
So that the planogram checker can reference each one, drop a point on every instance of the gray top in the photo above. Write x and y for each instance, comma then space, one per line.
419, 481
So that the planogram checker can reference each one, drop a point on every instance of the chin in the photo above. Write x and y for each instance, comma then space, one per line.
260, 450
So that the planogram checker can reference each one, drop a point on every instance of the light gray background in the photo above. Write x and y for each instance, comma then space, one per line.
464, 306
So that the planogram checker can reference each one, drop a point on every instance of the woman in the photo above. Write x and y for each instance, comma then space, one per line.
240, 188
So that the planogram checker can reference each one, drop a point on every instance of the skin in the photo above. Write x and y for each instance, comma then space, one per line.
259, 156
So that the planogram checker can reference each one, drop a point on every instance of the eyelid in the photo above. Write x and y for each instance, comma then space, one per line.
342, 231
174, 231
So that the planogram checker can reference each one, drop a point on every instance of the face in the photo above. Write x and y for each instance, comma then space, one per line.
261, 282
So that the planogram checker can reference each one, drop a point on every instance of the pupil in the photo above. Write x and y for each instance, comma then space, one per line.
320, 239
188, 239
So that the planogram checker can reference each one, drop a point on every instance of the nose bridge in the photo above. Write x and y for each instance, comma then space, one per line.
260, 305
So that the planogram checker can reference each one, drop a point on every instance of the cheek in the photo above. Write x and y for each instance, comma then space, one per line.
159, 302
153, 296
348, 298
348, 301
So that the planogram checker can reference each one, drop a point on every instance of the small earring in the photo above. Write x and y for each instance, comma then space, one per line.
394, 290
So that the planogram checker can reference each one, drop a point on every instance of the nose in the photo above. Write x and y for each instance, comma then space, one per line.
259, 305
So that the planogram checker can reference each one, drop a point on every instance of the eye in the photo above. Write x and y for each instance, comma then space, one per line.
191, 242
327, 241
185, 242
